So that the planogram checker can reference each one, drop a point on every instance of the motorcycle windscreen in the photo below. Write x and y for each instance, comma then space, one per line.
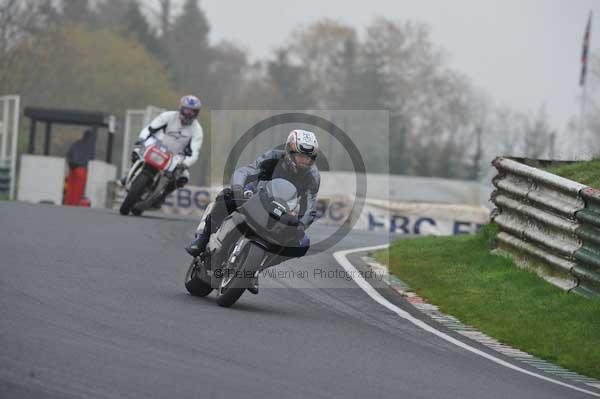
257, 212
282, 190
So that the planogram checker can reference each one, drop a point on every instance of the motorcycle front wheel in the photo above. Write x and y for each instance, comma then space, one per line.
234, 280
194, 284
138, 186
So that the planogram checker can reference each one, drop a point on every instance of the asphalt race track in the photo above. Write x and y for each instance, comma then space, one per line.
93, 306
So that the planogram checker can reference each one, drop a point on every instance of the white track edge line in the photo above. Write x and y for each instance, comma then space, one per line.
341, 258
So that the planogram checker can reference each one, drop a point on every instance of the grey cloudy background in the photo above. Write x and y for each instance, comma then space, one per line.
522, 53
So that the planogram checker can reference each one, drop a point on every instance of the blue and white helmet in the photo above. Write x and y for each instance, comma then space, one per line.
190, 106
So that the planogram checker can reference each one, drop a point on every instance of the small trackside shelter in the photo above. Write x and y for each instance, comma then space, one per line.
92, 119
42, 177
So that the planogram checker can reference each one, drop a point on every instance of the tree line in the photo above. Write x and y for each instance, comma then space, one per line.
119, 54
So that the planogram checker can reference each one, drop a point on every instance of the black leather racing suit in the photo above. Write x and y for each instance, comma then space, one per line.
268, 166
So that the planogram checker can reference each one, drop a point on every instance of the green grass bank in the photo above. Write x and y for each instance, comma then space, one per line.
490, 293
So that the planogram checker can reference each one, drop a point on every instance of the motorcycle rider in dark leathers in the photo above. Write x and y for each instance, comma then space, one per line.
295, 163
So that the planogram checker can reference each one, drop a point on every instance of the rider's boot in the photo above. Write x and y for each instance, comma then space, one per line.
198, 245
253, 288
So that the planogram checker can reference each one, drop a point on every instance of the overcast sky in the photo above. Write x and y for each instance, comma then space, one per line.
523, 53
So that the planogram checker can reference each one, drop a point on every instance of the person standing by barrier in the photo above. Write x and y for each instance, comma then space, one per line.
78, 155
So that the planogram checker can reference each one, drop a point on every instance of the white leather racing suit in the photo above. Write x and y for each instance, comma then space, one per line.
178, 138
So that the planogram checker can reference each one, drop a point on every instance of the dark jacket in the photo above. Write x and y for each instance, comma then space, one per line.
271, 165
82, 151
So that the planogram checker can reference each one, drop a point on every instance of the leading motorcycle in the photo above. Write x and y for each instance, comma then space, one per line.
249, 240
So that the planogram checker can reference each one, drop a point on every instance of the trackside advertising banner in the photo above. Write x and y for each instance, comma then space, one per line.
401, 218
421, 218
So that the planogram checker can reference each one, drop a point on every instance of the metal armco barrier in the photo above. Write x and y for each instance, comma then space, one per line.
588, 256
550, 221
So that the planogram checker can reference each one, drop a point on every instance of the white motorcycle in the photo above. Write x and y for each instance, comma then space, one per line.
155, 168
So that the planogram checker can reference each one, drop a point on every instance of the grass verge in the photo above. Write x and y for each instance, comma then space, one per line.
587, 173
490, 293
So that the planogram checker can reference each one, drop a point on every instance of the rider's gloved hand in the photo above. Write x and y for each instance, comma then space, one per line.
237, 191
289, 220
137, 150
248, 191
238, 194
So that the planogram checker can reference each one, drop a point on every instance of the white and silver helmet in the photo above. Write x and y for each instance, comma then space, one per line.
301, 149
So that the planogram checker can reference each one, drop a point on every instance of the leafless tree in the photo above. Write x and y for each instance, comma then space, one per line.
20, 20
165, 16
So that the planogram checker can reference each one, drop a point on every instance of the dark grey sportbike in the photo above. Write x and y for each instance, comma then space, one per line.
249, 240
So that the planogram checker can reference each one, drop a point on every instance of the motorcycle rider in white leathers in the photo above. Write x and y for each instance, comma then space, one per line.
181, 133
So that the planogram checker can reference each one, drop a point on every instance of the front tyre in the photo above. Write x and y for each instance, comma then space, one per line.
138, 186
194, 284
235, 280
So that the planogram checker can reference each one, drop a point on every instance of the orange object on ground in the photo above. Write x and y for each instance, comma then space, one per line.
85, 202
75, 186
